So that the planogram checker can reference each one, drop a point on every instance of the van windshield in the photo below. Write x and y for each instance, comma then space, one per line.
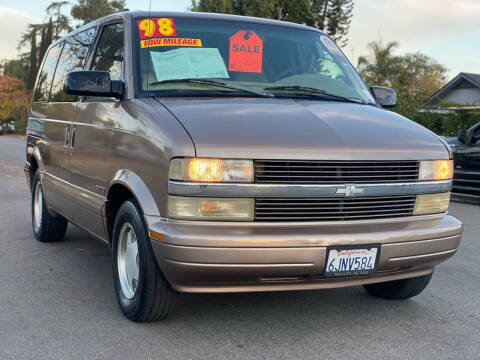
234, 57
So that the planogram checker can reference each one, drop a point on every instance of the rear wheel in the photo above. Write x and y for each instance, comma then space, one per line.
46, 228
142, 291
399, 289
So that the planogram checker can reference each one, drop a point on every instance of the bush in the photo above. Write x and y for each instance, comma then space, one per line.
446, 124
14, 102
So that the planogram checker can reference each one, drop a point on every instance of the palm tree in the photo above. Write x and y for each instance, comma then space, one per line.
381, 66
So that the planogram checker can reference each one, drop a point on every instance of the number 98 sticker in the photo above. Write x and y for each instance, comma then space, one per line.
156, 27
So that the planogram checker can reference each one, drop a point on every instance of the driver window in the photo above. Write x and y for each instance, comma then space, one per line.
109, 56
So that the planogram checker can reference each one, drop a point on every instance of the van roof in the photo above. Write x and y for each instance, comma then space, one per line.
193, 15
215, 16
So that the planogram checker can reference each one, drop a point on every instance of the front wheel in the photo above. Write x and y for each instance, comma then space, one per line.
399, 289
46, 228
142, 291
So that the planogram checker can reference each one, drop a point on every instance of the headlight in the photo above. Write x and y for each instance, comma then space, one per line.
198, 208
435, 170
211, 170
431, 204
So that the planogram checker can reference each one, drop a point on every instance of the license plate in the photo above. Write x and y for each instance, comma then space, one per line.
349, 261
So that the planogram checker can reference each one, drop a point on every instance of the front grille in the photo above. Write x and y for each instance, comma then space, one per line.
333, 209
325, 172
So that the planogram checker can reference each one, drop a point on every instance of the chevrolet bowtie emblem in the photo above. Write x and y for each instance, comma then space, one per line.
349, 190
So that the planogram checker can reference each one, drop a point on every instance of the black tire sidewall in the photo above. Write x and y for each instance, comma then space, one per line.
400, 289
129, 213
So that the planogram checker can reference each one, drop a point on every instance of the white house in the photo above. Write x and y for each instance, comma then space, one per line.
462, 93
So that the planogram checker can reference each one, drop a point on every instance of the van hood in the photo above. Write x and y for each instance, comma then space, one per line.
259, 128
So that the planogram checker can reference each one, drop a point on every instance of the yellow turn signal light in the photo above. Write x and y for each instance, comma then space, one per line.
431, 203
436, 170
200, 208
155, 235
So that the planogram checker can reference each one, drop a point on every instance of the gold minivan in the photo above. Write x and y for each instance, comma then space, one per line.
219, 153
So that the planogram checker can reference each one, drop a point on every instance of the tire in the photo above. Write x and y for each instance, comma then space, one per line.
399, 289
46, 227
143, 293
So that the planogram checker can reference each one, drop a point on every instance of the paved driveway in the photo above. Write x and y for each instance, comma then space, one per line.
57, 302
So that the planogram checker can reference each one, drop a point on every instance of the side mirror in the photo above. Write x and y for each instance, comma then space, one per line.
462, 135
92, 83
468, 138
386, 97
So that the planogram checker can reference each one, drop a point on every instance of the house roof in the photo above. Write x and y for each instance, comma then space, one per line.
473, 79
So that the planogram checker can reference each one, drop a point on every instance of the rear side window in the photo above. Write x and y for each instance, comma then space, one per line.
109, 56
45, 76
73, 58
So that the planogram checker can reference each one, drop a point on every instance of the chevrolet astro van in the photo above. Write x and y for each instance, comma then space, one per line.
219, 153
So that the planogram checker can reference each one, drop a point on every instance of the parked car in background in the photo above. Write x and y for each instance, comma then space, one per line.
466, 155
7, 127
219, 153
11, 127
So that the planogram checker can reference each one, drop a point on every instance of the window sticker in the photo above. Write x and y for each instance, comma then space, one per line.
156, 27
188, 63
330, 45
334, 49
170, 42
246, 49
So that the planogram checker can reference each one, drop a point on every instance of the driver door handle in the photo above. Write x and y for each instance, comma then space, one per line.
67, 138
72, 141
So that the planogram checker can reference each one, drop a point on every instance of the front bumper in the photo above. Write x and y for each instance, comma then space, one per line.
232, 257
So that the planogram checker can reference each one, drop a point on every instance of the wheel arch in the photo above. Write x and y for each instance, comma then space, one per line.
34, 163
126, 185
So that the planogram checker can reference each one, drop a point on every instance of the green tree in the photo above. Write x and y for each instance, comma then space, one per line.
17, 68
46, 40
29, 52
332, 16
216, 6
89, 10
338, 16
60, 21
415, 77
14, 102
418, 78
35, 42
32, 72
381, 66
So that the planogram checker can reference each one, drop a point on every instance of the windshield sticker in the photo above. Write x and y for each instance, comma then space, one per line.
188, 63
245, 54
330, 45
156, 27
170, 42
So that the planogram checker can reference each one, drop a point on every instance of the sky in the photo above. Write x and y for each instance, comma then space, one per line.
447, 30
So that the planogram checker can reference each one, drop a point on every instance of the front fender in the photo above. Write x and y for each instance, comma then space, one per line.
139, 190
33, 155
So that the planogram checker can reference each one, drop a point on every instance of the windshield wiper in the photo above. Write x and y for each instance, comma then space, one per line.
216, 83
315, 91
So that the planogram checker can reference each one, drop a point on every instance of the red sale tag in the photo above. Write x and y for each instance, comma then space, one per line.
245, 54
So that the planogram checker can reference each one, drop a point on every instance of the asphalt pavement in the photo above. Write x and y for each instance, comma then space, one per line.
57, 302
